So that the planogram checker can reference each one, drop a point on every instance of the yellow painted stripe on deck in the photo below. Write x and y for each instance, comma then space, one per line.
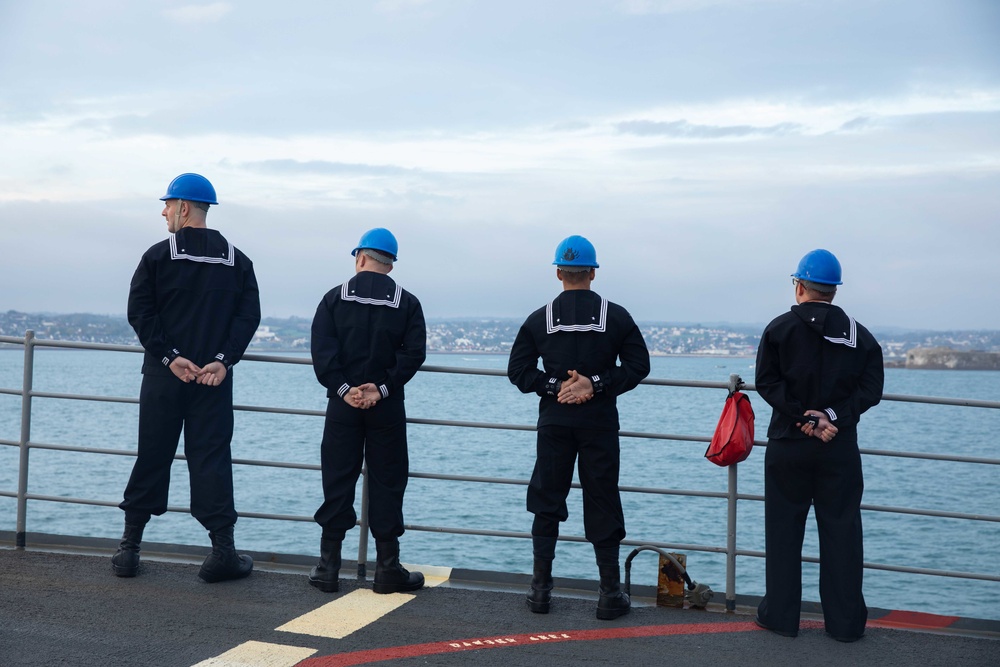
259, 654
433, 575
348, 613
358, 609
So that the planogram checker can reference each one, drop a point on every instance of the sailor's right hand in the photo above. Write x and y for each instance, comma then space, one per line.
370, 395
184, 369
824, 428
576, 389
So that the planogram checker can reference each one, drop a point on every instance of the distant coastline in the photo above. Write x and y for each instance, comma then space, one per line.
945, 358
962, 350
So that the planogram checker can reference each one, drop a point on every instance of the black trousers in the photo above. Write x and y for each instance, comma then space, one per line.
166, 406
799, 473
351, 437
557, 449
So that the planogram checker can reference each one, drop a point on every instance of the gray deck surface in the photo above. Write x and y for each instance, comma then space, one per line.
68, 609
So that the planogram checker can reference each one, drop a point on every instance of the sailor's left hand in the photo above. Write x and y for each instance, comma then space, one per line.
213, 374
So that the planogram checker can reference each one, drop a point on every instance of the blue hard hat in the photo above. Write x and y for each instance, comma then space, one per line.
191, 187
819, 266
378, 239
576, 251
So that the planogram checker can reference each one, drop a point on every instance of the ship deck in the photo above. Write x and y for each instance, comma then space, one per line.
60, 604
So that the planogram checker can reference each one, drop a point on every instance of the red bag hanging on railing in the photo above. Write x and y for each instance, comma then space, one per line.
733, 437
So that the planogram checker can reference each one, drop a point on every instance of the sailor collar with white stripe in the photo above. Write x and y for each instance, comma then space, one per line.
349, 293
849, 339
829, 321
556, 320
221, 253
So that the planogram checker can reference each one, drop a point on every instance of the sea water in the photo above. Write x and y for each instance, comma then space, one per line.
890, 538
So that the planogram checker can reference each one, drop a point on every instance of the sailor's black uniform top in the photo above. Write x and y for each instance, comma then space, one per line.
579, 330
368, 330
193, 295
816, 357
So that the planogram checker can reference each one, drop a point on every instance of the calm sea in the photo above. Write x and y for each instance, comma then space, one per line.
922, 542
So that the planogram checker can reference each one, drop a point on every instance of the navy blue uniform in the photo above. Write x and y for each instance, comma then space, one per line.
816, 357
193, 295
367, 330
579, 330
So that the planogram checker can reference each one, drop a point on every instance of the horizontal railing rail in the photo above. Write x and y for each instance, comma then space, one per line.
731, 495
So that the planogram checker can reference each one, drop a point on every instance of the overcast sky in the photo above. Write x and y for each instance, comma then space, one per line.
703, 146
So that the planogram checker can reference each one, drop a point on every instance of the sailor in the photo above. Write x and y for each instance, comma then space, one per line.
368, 340
194, 304
580, 338
819, 370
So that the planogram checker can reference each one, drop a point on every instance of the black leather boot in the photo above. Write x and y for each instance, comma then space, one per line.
540, 596
390, 576
125, 562
224, 563
613, 602
325, 575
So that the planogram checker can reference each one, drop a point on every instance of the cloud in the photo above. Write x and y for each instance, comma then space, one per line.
859, 123
397, 6
325, 168
198, 13
682, 129
677, 6
713, 131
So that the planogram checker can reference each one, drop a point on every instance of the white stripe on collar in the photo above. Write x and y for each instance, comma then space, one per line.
851, 340
229, 260
600, 325
392, 303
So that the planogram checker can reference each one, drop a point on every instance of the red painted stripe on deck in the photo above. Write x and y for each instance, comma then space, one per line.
509, 641
913, 619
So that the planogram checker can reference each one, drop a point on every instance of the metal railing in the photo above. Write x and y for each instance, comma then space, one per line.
731, 495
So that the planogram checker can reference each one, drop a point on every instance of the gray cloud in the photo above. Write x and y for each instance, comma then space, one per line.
859, 123
478, 132
681, 129
326, 168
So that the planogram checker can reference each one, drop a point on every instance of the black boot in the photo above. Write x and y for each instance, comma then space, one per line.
224, 563
613, 601
325, 575
125, 562
390, 576
540, 596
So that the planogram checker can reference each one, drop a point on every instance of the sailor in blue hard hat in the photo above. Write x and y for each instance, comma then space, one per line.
187, 200
819, 270
368, 340
381, 241
819, 370
195, 306
575, 254
591, 352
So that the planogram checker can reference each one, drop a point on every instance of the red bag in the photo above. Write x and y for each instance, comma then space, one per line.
733, 437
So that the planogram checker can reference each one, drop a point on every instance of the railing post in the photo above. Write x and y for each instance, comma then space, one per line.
735, 384
22, 475
363, 538
731, 539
